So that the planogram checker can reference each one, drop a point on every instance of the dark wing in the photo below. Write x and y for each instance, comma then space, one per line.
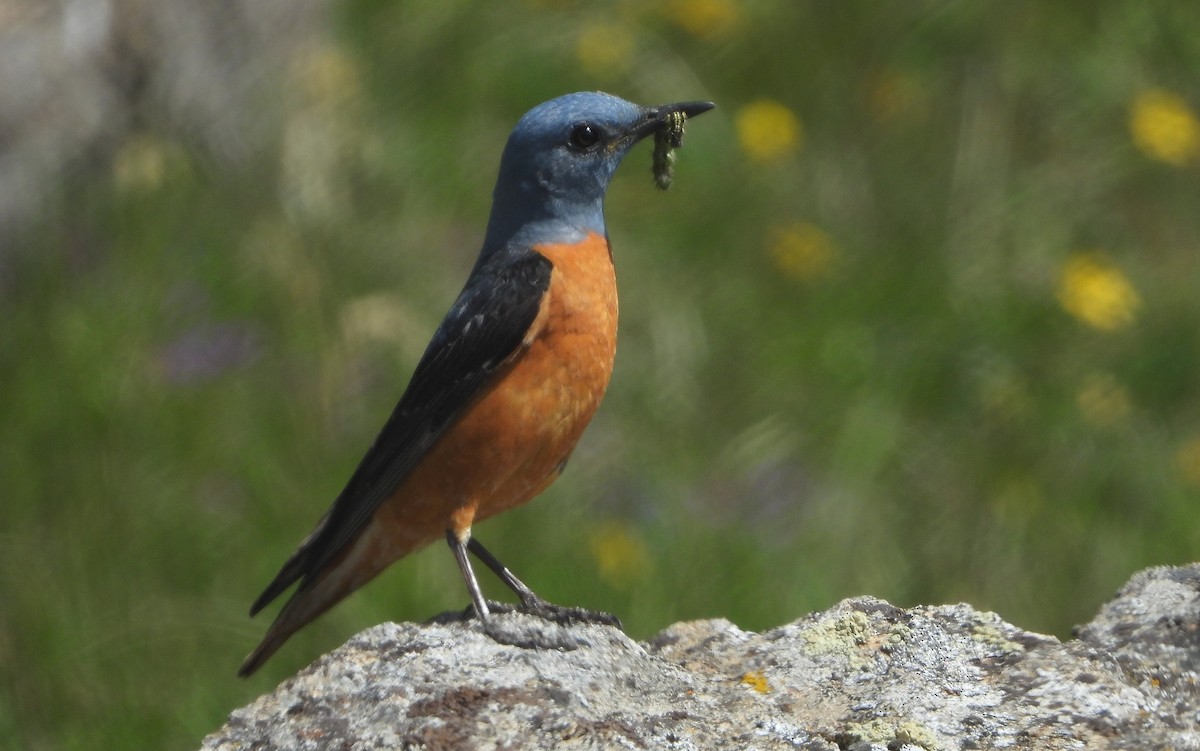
486, 325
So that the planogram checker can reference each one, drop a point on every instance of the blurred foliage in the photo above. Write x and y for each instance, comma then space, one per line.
916, 320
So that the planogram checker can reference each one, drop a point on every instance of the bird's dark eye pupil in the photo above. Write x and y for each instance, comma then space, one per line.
584, 136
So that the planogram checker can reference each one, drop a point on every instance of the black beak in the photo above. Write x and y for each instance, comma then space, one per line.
655, 119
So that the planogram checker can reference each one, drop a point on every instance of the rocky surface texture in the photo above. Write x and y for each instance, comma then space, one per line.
864, 675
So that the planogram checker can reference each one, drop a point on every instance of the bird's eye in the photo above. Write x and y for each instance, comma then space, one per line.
584, 137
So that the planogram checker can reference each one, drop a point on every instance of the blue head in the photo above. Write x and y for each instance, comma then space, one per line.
559, 160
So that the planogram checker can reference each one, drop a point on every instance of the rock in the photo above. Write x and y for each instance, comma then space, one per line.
862, 676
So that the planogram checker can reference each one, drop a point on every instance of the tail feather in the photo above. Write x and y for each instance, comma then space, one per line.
351, 570
283, 627
304, 605
292, 571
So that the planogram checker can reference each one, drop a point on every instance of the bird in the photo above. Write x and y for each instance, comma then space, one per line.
508, 382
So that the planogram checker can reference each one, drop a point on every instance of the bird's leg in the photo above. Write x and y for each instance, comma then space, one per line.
459, 548
530, 602
527, 595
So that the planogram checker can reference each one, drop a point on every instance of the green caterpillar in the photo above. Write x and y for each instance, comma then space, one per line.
665, 142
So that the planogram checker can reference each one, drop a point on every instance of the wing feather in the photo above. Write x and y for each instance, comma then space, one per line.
486, 326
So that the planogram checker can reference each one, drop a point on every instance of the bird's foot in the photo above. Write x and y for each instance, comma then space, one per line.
469, 613
494, 606
563, 615
554, 633
566, 615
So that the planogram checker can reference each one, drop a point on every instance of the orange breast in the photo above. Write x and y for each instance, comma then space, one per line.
512, 442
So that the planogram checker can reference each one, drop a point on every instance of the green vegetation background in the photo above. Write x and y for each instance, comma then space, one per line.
860, 362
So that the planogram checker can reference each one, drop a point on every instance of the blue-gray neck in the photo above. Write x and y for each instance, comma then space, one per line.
523, 212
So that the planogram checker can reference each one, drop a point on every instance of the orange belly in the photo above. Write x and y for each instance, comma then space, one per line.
514, 439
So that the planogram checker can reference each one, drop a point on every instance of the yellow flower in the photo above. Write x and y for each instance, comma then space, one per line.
1097, 293
620, 555
703, 18
1103, 400
604, 49
1187, 459
757, 681
801, 250
768, 130
1163, 127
